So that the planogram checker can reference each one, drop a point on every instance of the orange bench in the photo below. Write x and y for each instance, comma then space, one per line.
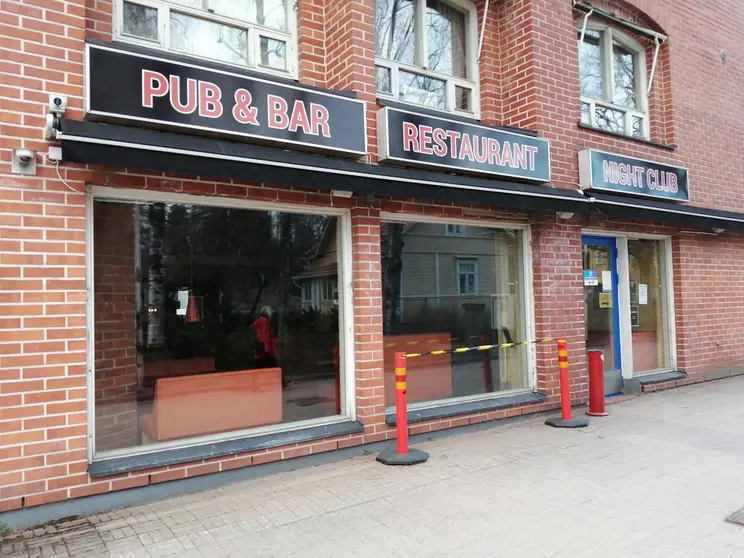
155, 369
189, 406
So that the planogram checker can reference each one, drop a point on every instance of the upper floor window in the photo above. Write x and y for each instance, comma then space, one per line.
425, 53
612, 70
249, 33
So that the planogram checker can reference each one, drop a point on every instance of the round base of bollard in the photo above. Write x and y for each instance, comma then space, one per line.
413, 457
593, 414
570, 423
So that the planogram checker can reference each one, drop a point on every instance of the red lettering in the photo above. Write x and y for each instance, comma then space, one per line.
652, 180
299, 118
506, 154
154, 84
210, 105
530, 152
278, 108
494, 152
425, 135
319, 120
410, 137
673, 183
520, 157
480, 149
242, 111
453, 137
440, 148
175, 95
466, 148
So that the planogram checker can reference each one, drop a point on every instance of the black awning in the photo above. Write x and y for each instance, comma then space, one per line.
665, 212
152, 150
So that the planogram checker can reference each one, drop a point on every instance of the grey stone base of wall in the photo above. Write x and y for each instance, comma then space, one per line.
667, 380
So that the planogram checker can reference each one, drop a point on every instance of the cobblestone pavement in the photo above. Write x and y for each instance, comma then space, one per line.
656, 478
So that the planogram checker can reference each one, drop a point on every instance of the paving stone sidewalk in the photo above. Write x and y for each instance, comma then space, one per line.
658, 477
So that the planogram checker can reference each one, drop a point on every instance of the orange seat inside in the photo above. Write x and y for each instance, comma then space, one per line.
189, 406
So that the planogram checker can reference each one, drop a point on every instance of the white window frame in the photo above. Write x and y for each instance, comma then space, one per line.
466, 260
421, 57
255, 32
610, 35
346, 315
526, 292
454, 230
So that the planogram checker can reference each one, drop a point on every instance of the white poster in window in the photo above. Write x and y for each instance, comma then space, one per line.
642, 294
607, 281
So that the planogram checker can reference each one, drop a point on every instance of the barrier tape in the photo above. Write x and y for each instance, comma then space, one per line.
478, 348
409, 343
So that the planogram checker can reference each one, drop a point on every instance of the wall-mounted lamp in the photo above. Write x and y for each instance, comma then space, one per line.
564, 215
342, 193
23, 162
718, 231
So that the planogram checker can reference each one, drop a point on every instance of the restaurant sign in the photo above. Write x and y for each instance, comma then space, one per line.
417, 139
599, 170
131, 87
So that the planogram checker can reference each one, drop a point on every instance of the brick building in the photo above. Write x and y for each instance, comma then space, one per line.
256, 203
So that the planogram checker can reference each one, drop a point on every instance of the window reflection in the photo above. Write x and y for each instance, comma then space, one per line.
394, 38
590, 64
273, 53
624, 76
609, 119
201, 323
197, 36
140, 21
445, 34
422, 90
442, 291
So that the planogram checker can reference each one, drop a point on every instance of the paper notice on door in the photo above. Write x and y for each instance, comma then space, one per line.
590, 278
642, 294
605, 300
607, 281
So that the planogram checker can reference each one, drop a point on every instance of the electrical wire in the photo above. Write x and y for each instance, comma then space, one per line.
64, 181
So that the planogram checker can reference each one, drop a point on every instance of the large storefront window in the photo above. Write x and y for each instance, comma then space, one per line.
443, 291
647, 306
202, 326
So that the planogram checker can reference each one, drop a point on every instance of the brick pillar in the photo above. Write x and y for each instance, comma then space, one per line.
115, 327
559, 304
367, 284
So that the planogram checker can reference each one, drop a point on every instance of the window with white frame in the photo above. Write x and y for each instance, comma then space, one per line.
467, 276
250, 33
425, 53
454, 230
612, 70
330, 289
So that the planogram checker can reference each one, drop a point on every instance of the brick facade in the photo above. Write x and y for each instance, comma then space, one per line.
528, 78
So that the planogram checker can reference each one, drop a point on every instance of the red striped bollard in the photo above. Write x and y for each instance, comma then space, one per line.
403, 455
565, 421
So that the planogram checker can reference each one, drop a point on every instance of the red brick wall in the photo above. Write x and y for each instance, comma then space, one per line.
114, 316
528, 78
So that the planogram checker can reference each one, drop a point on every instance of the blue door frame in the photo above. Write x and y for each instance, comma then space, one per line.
610, 241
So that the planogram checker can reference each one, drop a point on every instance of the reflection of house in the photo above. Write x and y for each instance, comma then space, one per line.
319, 284
452, 268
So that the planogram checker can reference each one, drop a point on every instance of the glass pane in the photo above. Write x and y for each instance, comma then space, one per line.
590, 64
646, 305
421, 90
140, 21
599, 302
638, 130
585, 113
269, 13
394, 30
609, 119
428, 305
200, 322
624, 78
273, 53
383, 78
205, 38
445, 36
462, 98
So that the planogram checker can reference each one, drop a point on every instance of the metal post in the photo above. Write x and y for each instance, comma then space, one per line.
596, 384
565, 421
402, 454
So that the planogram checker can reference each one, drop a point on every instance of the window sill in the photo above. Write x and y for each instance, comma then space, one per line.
117, 465
670, 147
456, 116
454, 409
660, 377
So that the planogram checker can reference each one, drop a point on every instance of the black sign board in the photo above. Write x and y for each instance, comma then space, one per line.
418, 139
626, 175
127, 86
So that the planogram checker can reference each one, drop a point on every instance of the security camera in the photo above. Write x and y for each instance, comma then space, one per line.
25, 156
57, 103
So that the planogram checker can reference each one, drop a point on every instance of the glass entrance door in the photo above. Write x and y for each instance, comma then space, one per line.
601, 306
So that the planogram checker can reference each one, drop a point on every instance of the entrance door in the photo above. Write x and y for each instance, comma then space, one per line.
601, 306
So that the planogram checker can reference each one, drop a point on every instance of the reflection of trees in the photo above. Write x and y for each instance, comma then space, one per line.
394, 29
422, 89
272, 51
141, 21
609, 119
624, 77
392, 268
445, 39
590, 65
